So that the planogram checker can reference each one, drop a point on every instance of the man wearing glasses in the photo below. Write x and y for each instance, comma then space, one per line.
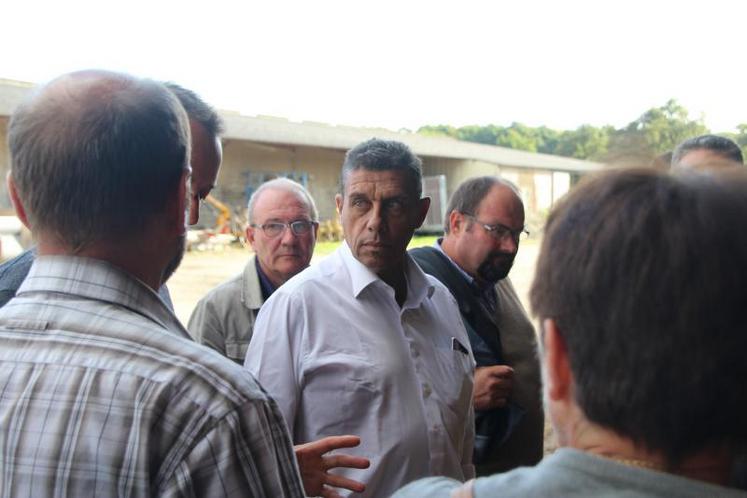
282, 231
482, 233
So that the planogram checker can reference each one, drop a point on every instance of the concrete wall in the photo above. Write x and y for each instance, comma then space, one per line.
457, 170
539, 189
247, 164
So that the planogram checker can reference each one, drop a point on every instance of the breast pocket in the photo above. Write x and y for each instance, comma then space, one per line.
452, 380
340, 389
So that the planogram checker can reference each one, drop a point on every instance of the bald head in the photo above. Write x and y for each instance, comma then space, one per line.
483, 227
470, 193
284, 185
95, 154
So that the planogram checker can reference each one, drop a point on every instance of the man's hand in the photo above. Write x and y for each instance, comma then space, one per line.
492, 386
314, 466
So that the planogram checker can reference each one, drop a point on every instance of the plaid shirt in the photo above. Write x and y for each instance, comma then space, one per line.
102, 393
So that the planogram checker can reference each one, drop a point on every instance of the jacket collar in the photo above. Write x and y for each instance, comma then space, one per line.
251, 292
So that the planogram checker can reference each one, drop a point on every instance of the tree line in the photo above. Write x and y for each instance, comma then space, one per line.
656, 132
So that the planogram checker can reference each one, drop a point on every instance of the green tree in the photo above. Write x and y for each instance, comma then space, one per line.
656, 131
662, 128
585, 142
438, 131
480, 134
547, 139
518, 136
741, 136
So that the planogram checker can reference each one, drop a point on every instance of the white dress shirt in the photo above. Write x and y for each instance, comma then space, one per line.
340, 356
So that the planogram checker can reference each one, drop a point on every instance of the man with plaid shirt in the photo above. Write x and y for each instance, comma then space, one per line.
102, 391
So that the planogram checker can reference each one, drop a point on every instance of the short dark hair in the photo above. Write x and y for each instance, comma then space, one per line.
384, 155
470, 193
95, 155
198, 109
644, 274
714, 143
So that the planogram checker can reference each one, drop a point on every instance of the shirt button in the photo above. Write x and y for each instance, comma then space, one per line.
426, 390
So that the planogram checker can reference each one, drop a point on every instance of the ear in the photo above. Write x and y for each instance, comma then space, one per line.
456, 222
250, 231
15, 199
558, 368
316, 231
177, 210
422, 210
339, 202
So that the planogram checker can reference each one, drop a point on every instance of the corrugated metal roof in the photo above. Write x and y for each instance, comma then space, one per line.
281, 131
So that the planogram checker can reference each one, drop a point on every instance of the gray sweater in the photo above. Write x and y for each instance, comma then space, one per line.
572, 473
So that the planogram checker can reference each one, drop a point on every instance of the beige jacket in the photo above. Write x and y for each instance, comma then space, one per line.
224, 319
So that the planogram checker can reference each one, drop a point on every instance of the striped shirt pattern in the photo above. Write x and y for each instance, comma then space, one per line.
102, 393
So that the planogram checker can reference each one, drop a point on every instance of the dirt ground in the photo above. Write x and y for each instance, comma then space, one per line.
201, 271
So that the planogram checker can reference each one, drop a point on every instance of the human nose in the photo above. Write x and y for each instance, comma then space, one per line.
288, 237
508, 243
375, 221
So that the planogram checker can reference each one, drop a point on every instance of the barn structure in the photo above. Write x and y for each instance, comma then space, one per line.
260, 148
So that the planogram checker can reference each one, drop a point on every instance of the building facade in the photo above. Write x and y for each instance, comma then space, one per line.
257, 149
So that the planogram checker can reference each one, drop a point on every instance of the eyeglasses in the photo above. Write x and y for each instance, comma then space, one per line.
275, 228
501, 232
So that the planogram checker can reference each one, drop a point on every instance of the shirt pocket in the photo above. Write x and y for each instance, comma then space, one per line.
339, 391
452, 379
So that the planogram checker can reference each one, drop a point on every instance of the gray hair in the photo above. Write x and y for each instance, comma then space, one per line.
287, 185
384, 155
96, 154
470, 193
714, 143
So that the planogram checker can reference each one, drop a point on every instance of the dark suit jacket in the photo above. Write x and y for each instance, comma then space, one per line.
510, 338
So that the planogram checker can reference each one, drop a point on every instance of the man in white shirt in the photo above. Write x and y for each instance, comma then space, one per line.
365, 343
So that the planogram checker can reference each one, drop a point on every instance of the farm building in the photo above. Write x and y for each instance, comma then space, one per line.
260, 148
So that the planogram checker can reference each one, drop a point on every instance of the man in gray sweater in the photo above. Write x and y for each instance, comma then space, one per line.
641, 298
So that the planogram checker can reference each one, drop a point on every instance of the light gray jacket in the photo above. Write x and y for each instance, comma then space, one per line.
224, 319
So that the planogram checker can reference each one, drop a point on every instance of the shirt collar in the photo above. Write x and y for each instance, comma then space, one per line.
360, 276
474, 283
99, 280
418, 285
466, 275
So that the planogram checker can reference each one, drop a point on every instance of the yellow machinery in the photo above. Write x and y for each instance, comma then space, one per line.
222, 221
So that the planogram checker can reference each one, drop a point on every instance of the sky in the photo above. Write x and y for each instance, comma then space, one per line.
404, 64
